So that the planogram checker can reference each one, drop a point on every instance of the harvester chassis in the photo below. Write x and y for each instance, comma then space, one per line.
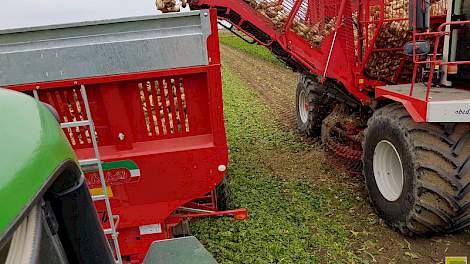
379, 126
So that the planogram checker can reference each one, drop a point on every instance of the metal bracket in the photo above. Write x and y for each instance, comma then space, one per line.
50, 229
231, 29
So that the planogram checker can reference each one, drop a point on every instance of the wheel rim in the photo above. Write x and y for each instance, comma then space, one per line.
303, 106
388, 170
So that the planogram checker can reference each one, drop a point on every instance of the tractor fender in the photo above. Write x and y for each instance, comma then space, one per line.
36, 152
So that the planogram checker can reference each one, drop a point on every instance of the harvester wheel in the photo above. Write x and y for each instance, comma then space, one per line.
223, 195
312, 106
417, 174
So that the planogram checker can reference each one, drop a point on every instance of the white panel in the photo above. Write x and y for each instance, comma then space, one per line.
150, 229
449, 111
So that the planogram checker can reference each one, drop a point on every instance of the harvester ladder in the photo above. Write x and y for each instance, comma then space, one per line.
99, 164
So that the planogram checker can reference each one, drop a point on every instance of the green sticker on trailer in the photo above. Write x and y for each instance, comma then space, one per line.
115, 171
121, 164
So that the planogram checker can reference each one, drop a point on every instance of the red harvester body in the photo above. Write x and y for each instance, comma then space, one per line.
349, 41
385, 85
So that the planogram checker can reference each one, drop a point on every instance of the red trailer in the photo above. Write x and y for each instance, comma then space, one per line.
140, 101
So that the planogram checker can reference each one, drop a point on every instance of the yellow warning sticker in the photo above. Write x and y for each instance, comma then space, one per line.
99, 191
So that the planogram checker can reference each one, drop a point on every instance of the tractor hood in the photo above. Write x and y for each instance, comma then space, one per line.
33, 150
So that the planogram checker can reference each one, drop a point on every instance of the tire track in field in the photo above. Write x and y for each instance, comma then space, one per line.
275, 84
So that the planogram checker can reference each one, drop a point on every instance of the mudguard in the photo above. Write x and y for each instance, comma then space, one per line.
34, 152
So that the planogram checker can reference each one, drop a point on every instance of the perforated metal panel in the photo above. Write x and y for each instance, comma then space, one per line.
102, 48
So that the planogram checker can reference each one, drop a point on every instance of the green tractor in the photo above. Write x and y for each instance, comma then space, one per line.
47, 214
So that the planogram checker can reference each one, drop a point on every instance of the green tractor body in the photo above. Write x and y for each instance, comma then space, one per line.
47, 215
34, 151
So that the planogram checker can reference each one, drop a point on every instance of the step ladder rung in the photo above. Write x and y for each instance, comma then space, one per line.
108, 231
113, 220
88, 162
75, 124
98, 197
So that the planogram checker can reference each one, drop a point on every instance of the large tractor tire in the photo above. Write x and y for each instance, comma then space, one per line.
53, 232
24, 246
312, 106
417, 174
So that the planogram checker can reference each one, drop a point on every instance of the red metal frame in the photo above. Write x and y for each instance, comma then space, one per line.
418, 107
169, 124
298, 48
437, 36
348, 68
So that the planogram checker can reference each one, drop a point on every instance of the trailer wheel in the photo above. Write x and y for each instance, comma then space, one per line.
223, 195
417, 174
312, 106
183, 229
223, 201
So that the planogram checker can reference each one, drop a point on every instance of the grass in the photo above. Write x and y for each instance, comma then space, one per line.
259, 51
291, 220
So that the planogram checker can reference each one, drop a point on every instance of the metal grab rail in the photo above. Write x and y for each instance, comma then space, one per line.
434, 61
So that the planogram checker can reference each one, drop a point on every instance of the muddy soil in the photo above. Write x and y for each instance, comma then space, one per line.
370, 237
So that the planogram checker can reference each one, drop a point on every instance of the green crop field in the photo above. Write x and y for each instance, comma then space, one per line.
259, 51
291, 220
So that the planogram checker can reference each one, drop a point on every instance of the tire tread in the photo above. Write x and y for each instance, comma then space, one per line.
319, 106
450, 161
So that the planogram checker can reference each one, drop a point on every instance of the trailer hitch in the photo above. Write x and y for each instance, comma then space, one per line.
196, 211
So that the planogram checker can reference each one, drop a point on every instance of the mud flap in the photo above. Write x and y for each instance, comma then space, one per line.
79, 229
